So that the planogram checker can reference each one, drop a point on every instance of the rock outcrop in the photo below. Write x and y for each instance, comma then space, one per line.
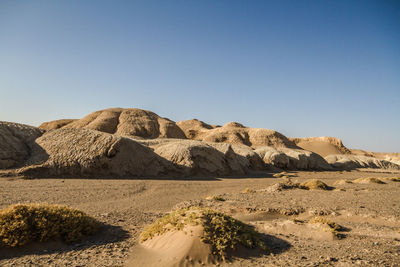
16, 143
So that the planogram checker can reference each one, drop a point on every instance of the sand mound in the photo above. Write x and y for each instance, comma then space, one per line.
193, 236
323, 146
342, 182
234, 133
368, 181
126, 122
16, 141
349, 162
51, 125
294, 159
83, 152
314, 184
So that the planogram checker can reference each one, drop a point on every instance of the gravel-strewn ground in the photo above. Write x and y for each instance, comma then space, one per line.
369, 212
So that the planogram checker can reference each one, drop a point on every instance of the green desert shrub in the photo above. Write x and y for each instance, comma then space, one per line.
221, 231
224, 232
24, 223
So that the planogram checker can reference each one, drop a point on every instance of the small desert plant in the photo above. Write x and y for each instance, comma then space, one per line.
314, 184
23, 223
222, 232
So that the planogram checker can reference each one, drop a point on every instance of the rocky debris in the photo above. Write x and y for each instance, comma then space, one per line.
350, 162
16, 143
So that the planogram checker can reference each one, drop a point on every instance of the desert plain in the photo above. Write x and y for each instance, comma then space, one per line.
313, 201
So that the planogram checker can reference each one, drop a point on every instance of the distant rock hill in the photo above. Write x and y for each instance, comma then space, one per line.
124, 122
234, 133
132, 142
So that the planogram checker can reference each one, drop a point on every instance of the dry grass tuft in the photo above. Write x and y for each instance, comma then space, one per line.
334, 227
24, 223
222, 232
315, 184
368, 181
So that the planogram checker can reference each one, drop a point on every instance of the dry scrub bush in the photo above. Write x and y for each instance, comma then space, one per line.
24, 223
222, 232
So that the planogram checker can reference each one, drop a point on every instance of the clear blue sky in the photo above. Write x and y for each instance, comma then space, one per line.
304, 68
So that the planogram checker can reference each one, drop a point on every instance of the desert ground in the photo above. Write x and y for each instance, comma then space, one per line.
369, 214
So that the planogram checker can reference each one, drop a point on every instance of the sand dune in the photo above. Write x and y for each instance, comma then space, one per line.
323, 146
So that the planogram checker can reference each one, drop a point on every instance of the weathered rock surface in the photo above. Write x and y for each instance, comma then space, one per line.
294, 159
16, 142
197, 158
83, 152
356, 161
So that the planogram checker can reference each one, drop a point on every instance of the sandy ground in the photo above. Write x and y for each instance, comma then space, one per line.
369, 212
